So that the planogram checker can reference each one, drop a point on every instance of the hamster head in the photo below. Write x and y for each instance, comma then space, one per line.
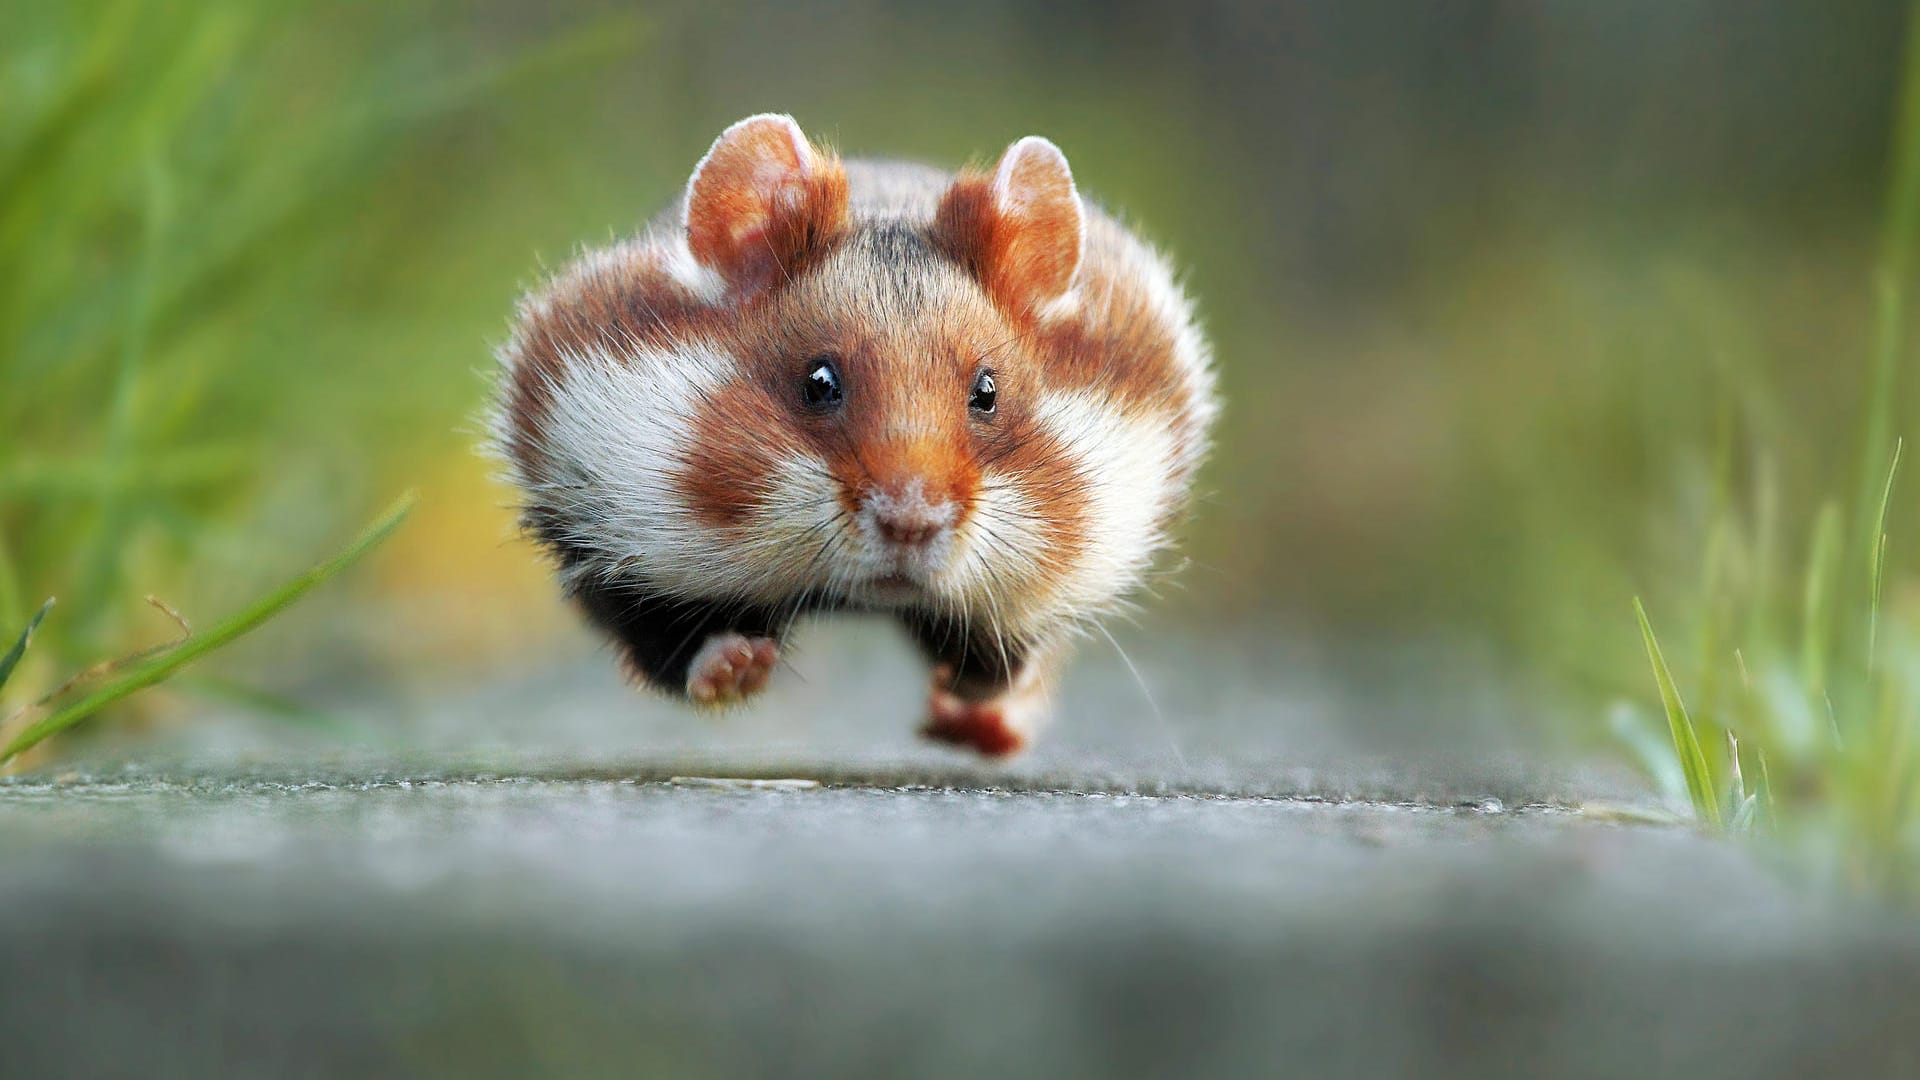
884, 399
785, 397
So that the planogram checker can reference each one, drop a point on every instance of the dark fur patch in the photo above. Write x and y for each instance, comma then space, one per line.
981, 667
657, 633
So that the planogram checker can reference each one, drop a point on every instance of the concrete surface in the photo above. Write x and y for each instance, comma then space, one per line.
1276, 873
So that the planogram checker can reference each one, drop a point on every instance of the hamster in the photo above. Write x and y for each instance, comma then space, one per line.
971, 401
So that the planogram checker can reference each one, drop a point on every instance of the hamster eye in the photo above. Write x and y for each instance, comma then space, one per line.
822, 388
984, 393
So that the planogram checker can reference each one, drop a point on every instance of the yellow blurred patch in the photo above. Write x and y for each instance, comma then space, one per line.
467, 589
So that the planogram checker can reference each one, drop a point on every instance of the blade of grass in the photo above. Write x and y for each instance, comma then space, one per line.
1686, 742
160, 668
12, 659
104, 668
1879, 541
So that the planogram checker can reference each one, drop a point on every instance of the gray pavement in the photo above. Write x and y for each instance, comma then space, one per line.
1281, 869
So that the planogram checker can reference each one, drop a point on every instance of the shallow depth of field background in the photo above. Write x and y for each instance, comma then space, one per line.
1498, 290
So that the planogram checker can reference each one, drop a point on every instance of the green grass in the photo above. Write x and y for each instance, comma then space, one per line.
1825, 716
220, 330
151, 669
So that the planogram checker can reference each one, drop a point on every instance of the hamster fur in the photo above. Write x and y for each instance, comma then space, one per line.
973, 401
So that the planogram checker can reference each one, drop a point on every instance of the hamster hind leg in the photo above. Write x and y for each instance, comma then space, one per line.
984, 697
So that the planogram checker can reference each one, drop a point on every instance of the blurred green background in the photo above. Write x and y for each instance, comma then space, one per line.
1518, 306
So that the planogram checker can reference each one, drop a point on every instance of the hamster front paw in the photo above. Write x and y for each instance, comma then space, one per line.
730, 668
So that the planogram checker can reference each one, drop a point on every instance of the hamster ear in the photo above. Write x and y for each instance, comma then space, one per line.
1020, 230
762, 201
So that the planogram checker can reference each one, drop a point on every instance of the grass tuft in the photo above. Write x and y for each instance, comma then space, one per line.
218, 229
1830, 723
159, 668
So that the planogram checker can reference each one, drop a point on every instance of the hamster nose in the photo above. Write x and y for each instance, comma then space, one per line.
903, 517
909, 526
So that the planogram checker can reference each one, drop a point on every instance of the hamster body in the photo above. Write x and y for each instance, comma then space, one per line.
973, 401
